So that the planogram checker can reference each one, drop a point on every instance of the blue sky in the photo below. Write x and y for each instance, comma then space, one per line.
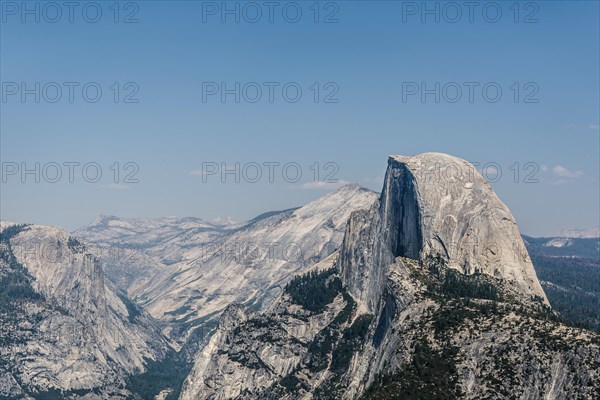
369, 58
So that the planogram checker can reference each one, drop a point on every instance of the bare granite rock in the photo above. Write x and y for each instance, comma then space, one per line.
435, 204
432, 292
65, 328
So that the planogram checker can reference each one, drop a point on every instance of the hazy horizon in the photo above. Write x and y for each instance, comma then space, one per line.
146, 111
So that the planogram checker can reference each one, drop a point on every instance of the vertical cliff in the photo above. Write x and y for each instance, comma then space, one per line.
434, 204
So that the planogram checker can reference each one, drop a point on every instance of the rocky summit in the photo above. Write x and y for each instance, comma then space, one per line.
432, 295
434, 205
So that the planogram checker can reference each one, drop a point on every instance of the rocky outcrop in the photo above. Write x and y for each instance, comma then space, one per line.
64, 328
432, 296
439, 332
434, 204
250, 351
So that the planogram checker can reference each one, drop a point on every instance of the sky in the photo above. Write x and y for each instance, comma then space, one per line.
148, 109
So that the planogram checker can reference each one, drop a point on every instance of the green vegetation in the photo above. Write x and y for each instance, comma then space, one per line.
353, 337
454, 284
132, 310
346, 312
334, 345
290, 382
15, 280
431, 375
314, 290
319, 349
573, 288
465, 305
575, 272
571, 276
170, 373
451, 317
11, 231
248, 360
15, 285
75, 245
323, 344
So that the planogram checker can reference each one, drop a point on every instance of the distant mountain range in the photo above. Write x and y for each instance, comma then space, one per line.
580, 233
185, 271
355, 295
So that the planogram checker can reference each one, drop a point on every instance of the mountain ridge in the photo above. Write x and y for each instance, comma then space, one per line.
77, 334
406, 314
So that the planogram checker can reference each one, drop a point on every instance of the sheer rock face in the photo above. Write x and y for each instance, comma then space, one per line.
82, 334
404, 319
434, 204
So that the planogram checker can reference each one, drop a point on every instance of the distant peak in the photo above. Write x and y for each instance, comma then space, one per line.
350, 187
580, 233
103, 218
6, 224
224, 221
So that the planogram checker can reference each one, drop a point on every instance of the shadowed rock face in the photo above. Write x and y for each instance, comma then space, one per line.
401, 215
434, 205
